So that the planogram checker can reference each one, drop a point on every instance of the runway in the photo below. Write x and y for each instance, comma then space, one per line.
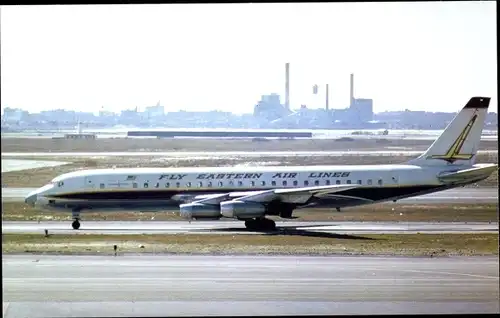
231, 227
9, 165
457, 196
76, 286
226, 154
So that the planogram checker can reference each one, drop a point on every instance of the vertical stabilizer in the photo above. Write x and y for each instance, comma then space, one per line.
459, 142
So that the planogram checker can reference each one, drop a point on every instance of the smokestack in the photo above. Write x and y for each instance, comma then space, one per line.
327, 97
287, 86
352, 91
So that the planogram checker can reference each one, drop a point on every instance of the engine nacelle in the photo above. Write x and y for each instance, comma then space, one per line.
242, 209
200, 211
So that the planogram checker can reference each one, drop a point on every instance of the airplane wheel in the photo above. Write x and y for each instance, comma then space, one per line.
75, 224
269, 225
261, 225
250, 224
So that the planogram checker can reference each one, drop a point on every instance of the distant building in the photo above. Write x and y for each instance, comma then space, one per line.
129, 116
155, 111
14, 115
362, 110
269, 108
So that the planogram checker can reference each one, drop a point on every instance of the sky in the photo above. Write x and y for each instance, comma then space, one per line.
430, 56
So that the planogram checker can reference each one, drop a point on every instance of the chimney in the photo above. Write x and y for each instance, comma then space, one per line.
352, 91
287, 86
327, 97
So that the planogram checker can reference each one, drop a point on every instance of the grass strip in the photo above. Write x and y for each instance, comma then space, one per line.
292, 244
172, 144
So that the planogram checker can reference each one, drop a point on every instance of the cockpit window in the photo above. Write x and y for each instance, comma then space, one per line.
60, 183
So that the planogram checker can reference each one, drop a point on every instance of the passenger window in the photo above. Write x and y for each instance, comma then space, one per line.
348, 181
316, 182
327, 182
273, 183
240, 183
284, 183
157, 185
380, 182
145, 185
167, 185
209, 184
306, 183
178, 184
200, 184
101, 185
220, 184
337, 182
188, 184
263, 183
369, 182
253, 183
231, 183
134, 185
359, 182
295, 182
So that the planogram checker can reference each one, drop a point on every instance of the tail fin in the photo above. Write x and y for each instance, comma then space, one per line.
460, 140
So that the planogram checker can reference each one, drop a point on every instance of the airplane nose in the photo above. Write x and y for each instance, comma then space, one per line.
31, 199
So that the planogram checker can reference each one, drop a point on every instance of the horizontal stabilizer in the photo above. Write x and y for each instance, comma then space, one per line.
478, 172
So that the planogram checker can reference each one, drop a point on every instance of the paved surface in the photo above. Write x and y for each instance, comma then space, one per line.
238, 227
18, 165
226, 154
57, 286
458, 195
316, 134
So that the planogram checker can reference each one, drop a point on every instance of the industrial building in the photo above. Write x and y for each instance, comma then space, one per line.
273, 114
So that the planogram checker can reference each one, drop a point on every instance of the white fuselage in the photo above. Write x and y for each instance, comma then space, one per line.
165, 187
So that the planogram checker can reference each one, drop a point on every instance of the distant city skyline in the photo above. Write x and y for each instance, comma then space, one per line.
430, 56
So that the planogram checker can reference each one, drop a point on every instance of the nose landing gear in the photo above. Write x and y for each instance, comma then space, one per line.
76, 219
76, 224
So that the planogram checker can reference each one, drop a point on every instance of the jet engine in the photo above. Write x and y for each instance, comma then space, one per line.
200, 211
242, 210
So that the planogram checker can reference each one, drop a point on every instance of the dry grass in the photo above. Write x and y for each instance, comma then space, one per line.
283, 243
40, 176
16, 211
152, 144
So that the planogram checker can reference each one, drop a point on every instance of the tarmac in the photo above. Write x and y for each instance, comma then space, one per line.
131, 285
9, 165
233, 227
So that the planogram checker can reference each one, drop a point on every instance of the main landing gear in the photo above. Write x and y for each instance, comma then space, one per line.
260, 224
76, 220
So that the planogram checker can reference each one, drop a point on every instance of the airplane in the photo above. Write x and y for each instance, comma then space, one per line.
250, 194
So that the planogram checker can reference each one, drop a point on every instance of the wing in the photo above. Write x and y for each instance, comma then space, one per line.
292, 195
